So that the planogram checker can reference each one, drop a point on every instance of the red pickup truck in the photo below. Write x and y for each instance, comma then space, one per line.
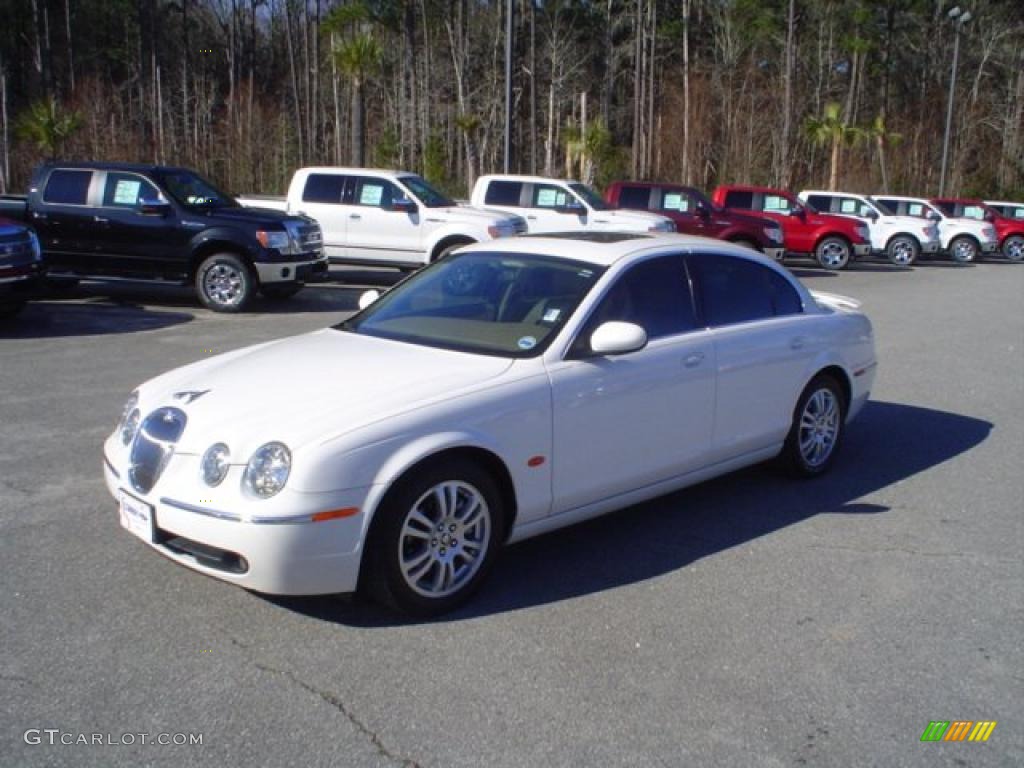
694, 214
832, 240
1009, 232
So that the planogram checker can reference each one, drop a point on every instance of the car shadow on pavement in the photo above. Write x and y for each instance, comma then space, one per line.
888, 443
51, 319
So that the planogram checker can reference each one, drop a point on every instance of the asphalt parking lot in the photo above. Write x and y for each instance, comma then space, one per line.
750, 621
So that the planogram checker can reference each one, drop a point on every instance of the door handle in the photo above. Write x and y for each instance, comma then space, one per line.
693, 360
797, 342
100, 220
40, 216
532, 218
354, 216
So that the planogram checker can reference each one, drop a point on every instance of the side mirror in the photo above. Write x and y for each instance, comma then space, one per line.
934, 216
404, 205
368, 297
617, 338
702, 209
153, 206
871, 213
798, 210
989, 216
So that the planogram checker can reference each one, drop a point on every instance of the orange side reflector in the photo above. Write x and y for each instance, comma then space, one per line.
334, 514
535, 461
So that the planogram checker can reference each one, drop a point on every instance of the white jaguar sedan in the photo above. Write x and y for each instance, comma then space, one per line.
509, 389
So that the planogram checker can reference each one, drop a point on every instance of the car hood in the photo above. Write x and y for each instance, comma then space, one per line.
640, 221
254, 216
310, 388
482, 216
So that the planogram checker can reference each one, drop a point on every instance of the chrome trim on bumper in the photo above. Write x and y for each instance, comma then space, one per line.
862, 250
775, 253
220, 515
270, 272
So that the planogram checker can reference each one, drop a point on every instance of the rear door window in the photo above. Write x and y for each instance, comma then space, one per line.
323, 188
65, 187
503, 193
635, 198
734, 290
738, 198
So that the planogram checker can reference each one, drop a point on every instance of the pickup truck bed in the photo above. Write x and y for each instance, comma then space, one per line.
270, 202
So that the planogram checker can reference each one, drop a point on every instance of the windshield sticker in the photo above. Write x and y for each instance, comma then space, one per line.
371, 194
551, 316
126, 192
585, 273
527, 342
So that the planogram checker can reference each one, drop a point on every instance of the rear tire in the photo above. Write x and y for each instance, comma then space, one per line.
963, 249
903, 250
224, 283
833, 253
819, 421
1013, 248
434, 539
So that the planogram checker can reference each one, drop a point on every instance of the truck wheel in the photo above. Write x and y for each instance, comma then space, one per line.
833, 253
280, 291
963, 249
1013, 248
224, 283
903, 250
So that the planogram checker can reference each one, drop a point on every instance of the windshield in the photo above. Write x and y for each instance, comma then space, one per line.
590, 197
426, 194
505, 304
194, 191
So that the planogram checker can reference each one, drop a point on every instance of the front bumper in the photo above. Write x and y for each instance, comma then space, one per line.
307, 267
989, 246
22, 283
864, 249
930, 246
282, 556
775, 253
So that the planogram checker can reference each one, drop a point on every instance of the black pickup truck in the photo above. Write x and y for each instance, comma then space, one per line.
22, 272
143, 222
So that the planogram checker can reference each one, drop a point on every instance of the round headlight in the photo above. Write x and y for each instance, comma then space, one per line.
129, 421
268, 469
215, 464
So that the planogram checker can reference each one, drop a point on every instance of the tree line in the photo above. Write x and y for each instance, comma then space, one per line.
848, 93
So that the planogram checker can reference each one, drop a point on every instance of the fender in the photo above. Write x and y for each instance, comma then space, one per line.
450, 229
231, 238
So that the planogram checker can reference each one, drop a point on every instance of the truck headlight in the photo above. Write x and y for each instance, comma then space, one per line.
500, 230
279, 241
268, 469
215, 464
862, 232
129, 421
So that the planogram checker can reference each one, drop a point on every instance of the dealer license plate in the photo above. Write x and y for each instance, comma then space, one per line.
136, 516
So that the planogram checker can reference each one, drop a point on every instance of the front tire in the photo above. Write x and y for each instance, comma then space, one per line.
963, 249
435, 539
903, 250
833, 253
224, 283
819, 420
1013, 248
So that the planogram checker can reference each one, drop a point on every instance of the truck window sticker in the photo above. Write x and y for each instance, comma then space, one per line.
846, 205
371, 194
675, 201
127, 192
549, 197
974, 212
776, 204
915, 209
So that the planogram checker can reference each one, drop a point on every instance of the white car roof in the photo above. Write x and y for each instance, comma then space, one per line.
1004, 202
527, 179
339, 169
835, 192
606, 248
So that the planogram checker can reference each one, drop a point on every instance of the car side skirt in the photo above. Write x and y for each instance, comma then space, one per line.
622, 500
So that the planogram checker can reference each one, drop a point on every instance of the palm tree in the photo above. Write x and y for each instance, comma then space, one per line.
883, 137
48, 126
359, 59
830, 129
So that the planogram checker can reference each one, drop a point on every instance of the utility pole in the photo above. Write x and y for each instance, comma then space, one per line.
959, 18
508, 86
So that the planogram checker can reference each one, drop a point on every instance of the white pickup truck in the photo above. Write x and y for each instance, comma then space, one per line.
385, 218
901, 239
963, 239
554, 205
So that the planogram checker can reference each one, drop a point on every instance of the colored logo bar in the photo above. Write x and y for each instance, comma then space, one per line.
958, 730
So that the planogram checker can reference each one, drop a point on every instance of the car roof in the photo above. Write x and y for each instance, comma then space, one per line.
105, 166
606, 248
526, 179
832, 192
753, 188
1004, 202
340, 169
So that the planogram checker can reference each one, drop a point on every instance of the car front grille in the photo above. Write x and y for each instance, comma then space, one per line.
307, 235
153, 446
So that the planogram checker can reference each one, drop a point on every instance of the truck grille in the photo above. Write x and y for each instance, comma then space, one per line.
15, 247
153, 446
306, 234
